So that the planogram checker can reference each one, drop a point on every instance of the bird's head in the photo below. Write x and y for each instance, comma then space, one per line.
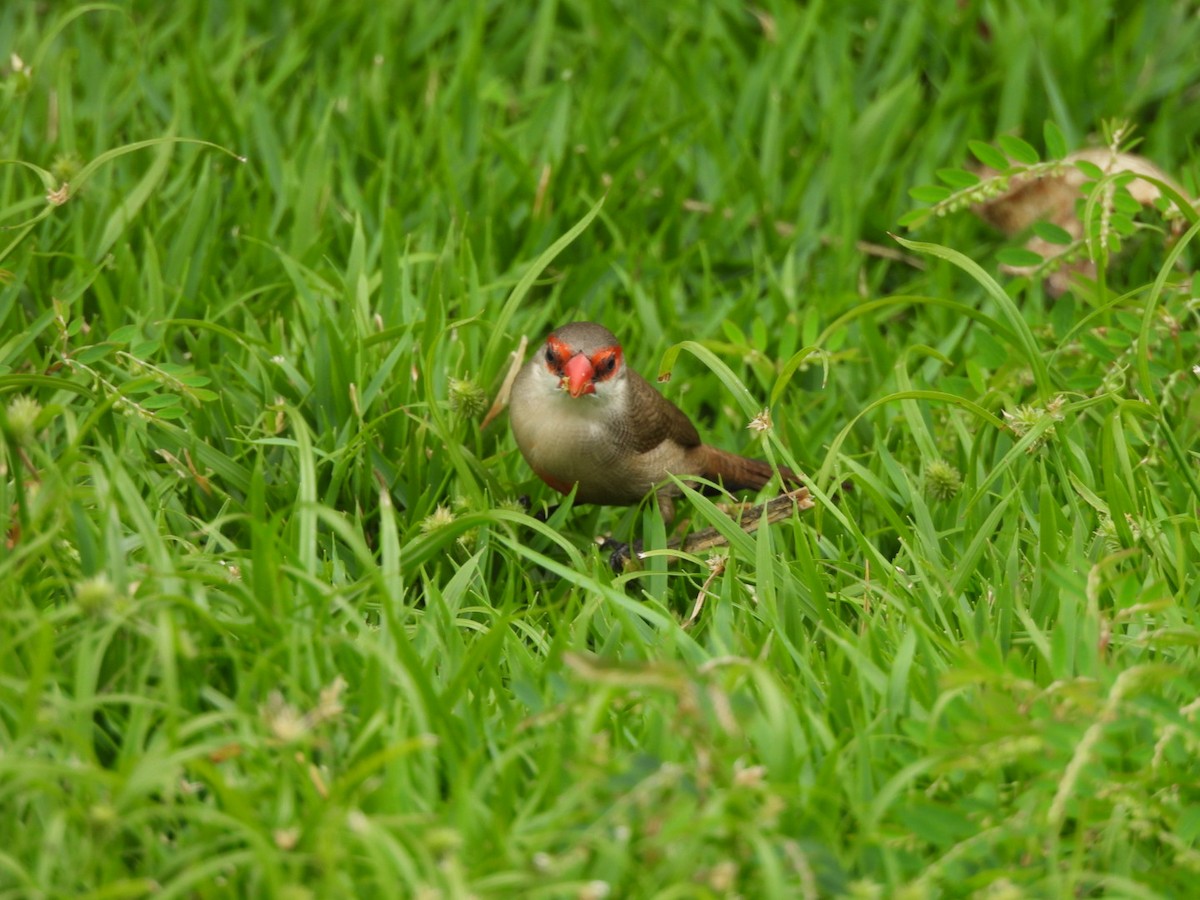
583, 358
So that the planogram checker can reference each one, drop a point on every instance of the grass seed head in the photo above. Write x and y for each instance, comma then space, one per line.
22, 415
96, 595
942, 480
467, 399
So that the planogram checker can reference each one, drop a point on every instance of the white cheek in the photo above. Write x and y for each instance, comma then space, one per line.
611, 392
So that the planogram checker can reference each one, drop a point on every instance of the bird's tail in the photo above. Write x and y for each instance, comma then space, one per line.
738, 473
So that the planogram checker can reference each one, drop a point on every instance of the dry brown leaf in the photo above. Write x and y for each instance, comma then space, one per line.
1052, 199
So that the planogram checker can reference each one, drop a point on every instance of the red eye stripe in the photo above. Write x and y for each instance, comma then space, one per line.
557, 354
606, 362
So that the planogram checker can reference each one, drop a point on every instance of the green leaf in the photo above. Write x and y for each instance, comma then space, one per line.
1056, 144
142, 385
988, 350
1122, 224
989, 155
159, 401
1053, 234
930, 193
1022, 151
125, 334
1124, 202
958, 178
1090, 169
93, 354
1019, 257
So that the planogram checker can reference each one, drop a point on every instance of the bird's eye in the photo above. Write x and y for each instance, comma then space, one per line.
605, 363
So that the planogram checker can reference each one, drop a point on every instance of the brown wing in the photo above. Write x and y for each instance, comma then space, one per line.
654, 419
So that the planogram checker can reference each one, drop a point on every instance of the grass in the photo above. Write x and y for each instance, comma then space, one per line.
270, 622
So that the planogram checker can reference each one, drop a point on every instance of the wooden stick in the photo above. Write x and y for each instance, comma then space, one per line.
776, 509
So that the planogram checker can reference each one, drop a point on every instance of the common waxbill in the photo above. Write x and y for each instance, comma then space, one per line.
582, 417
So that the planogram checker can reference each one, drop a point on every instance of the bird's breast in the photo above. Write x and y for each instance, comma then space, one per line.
572, 441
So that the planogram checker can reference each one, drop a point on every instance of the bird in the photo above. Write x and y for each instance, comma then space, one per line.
586, 421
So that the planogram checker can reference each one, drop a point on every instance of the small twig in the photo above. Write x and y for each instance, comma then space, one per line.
776, 509
29, 464
869, 249
716, 565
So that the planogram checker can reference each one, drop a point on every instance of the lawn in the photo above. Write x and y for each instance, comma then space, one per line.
273, 621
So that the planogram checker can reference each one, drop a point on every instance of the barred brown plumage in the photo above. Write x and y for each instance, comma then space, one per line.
583, 419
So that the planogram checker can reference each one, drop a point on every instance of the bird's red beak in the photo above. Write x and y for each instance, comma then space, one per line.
579, 374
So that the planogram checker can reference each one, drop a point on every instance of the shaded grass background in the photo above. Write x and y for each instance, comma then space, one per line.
242, 651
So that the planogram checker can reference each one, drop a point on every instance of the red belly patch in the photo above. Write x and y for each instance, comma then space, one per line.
562, 487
